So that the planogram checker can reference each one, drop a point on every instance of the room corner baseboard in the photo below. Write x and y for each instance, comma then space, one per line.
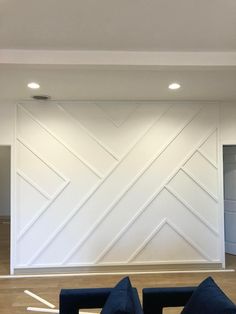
119, 269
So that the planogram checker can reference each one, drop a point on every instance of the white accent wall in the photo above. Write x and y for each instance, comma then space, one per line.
117, 183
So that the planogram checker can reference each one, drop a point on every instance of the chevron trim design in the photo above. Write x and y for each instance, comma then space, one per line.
174, 227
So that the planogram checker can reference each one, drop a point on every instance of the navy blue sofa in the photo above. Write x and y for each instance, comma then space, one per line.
206, 298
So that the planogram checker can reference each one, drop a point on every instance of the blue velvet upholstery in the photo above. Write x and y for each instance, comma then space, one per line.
156, 299
120, 300
72, 300
208, 298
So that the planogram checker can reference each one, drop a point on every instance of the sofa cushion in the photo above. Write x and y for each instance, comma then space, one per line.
208, 298
120, 300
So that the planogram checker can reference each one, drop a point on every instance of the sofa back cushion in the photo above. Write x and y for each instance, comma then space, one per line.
208, 298
121, 299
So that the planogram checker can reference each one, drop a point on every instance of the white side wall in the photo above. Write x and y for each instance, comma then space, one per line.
5, 164
7, 116
7, 123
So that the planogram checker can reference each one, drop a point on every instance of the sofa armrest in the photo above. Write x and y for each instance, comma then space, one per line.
155, 299
72, 300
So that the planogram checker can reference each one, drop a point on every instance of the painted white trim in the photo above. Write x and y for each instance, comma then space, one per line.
207, 158
90, 134
33, 184
191, 209
118, 273
117, 58
203, 187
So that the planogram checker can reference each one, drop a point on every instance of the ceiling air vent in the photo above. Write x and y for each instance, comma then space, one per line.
41, 97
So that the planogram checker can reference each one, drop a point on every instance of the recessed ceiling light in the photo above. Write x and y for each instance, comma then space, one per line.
33, 85
174, 86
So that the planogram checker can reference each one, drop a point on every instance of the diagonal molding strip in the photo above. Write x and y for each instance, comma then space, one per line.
147, 240
85, 163
43, 209
187, 172
207, 158
47, 163
191, 209
91, 135
33, 184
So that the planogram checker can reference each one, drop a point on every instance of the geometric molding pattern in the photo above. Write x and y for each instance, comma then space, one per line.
117, 183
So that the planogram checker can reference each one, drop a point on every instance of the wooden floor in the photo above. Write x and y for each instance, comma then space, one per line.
13, 300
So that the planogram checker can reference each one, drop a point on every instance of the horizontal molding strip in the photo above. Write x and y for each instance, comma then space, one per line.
189, 267
117, 58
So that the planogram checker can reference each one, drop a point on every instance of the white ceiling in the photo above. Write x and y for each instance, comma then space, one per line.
148, 25
123, 49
